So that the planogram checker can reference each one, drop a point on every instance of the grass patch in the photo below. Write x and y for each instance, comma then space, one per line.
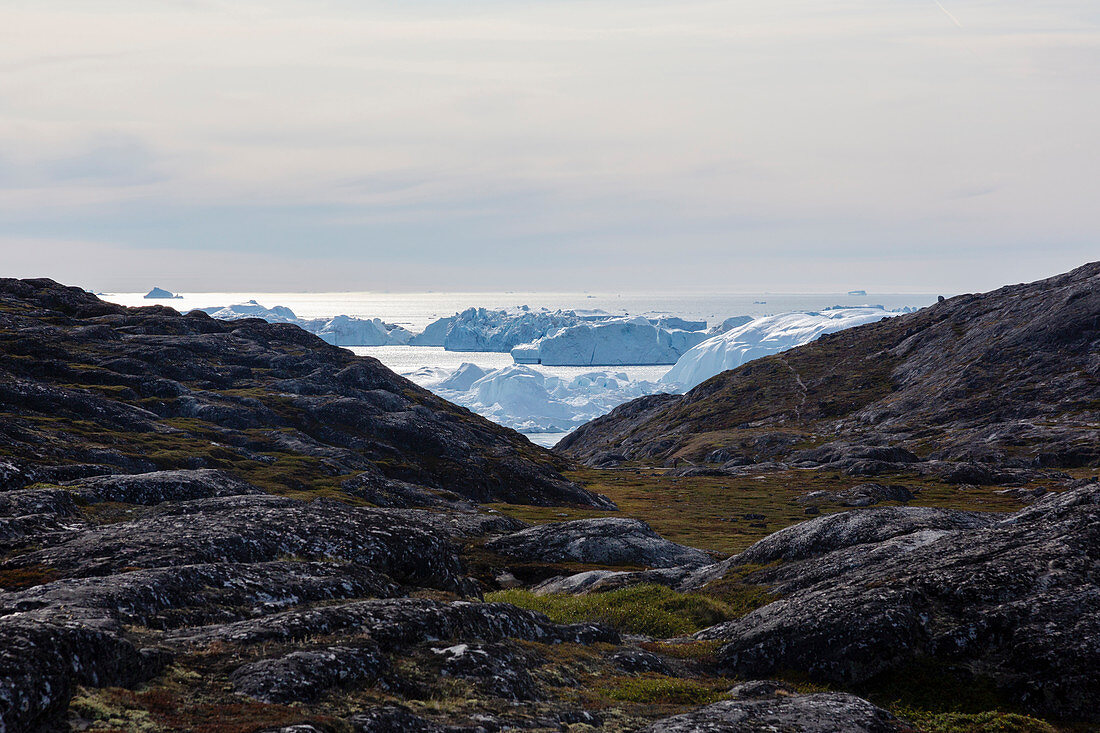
696, 651
991, 721
708, 512
28, 577
653, 610
658, 690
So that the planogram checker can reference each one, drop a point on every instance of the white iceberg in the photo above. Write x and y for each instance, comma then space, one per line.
525, 399
340, 330
348, 331
252, 309
763, 336
617, 342
161, 294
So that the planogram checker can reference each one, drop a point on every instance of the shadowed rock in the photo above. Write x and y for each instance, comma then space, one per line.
305, 675
607, 541
160, 486
1015, 600
248, 529
758, 707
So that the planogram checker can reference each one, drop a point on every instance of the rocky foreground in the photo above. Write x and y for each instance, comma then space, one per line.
218, 527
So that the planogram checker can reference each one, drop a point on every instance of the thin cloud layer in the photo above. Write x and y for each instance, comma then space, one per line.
761, 144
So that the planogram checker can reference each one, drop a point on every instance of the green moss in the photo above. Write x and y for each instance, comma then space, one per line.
653, 610
655, 689
991, 721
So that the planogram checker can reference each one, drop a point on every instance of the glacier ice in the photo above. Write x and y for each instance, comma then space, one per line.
763, 336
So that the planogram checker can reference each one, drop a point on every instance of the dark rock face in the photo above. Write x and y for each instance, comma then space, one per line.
36, 501
304, 676
1003, 379
1015, 600
845, 529
757, 707
639, 661
89, 388
607, 541
498, 669
159, 486
392, 719
859, 496
397, 623
249, 529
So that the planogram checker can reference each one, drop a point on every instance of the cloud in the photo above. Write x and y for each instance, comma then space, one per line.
420, 133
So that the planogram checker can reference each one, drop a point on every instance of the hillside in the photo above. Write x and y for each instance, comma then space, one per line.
1010, 377
90, 388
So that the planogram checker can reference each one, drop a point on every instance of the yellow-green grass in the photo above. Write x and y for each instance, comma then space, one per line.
708, 512
653, 610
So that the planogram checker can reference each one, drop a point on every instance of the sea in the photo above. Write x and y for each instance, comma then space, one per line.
415, 311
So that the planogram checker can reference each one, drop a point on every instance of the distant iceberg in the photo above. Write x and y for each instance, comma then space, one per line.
763, 336
525, 399
161, 294
252, 309
339, 331
618, 342
482, 329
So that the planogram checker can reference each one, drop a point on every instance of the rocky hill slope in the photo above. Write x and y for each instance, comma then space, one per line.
89, 388
1010, 377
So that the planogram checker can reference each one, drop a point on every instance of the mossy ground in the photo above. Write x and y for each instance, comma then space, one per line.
652, 610
708, 512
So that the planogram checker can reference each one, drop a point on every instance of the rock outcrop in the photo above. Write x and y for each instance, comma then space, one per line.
605, 541
1005, 379
756, 707
1014, 600
88, 388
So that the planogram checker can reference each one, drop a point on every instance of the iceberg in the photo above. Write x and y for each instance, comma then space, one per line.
339, 331
348, 331
478, 329
525, 399
252, 309
617, 342
729, 324
161, 294
763, 336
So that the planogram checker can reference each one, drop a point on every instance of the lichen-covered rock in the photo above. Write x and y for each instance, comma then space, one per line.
392, 719
159, 486
639, 661
43, 657
105, 389
764, 707
498, 669
861, 495
1015, 600
607, 541
248, 529
397, 623
303, 676
845, 529
172, 597
20, 503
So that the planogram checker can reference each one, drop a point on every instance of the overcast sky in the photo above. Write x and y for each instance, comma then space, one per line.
746, 145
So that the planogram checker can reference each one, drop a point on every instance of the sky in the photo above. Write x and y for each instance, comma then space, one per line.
742, 146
